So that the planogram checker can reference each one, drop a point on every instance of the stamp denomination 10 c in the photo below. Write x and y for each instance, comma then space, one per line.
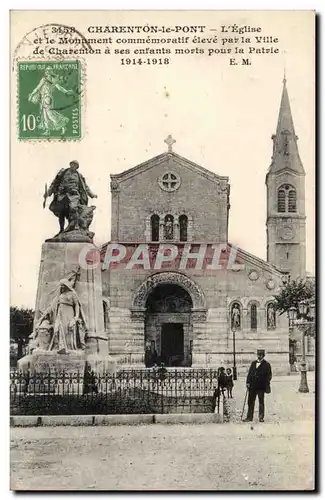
49, 100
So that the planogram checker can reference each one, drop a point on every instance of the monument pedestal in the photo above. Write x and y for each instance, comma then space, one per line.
97, 356
54, 373
51, 361
68, 260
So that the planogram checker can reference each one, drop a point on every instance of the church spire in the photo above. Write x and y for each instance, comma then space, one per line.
285, 184
285, 148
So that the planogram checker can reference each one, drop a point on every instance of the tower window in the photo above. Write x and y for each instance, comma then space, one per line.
287, 199
154, 227
292, 201
253, 317
281, 201
183, 221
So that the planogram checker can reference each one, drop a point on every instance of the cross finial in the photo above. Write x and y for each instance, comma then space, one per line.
285, 67
284, 76
170, 141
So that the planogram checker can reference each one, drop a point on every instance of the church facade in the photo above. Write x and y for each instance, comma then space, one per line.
175, 289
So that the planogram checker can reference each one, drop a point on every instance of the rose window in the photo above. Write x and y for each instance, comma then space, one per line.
170, 181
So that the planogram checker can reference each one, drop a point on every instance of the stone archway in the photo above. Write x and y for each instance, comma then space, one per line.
168, 326
185, 319
173, 278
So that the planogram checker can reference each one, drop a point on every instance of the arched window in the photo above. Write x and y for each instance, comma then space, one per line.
287, 199
281, 200
183, 221
155, 227
169, 227
253, 317
292, 201
271, 317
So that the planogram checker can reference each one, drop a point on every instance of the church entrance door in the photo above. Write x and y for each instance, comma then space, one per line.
172, 344
168, 326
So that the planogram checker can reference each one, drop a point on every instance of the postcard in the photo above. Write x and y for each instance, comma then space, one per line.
162, 250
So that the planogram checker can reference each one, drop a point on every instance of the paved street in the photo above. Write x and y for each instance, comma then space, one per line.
232, 456
284, 404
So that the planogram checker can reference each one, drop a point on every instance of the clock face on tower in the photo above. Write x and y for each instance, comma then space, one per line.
287, 232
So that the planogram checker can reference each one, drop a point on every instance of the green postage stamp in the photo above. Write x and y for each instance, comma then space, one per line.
49, 100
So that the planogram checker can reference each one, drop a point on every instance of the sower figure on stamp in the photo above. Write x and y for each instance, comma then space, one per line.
70, 199
50, 118
258, 383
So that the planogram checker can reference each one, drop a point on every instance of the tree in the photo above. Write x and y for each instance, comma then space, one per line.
21, 326
294, 292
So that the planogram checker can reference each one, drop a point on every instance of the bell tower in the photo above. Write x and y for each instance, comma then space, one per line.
285, 183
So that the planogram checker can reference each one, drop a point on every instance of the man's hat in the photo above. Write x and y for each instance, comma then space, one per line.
74, 162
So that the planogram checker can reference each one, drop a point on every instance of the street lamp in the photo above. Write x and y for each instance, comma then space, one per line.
303, 308
306, 313
292, 313
234, 368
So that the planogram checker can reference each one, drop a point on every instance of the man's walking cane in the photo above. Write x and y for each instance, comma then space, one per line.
242, 413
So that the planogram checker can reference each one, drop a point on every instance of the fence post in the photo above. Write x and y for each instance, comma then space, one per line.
162, 396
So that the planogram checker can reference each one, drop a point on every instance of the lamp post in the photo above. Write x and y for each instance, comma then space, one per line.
306, 313
234, 368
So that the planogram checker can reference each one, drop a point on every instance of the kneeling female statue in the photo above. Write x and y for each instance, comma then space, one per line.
66, 320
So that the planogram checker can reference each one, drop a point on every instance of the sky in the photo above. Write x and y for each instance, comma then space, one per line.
222, 118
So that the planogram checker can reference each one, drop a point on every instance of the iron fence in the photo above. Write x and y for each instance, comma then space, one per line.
128, 391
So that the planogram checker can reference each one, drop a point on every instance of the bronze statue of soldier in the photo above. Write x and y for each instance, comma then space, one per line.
70, 202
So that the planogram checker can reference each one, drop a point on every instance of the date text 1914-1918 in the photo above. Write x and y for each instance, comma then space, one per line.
148, 61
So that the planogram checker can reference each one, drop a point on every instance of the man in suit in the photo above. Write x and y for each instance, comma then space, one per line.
258, 383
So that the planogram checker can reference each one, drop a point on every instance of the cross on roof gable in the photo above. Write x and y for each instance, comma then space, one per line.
170, 141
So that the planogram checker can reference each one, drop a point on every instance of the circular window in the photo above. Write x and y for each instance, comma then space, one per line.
270, 284
253, 275
170, 181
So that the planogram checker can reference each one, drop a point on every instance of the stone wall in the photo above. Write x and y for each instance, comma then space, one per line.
212, 337
140, 195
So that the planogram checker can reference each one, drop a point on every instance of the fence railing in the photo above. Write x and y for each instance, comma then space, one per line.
158, 390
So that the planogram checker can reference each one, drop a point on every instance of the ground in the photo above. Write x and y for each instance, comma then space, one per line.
277, 454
